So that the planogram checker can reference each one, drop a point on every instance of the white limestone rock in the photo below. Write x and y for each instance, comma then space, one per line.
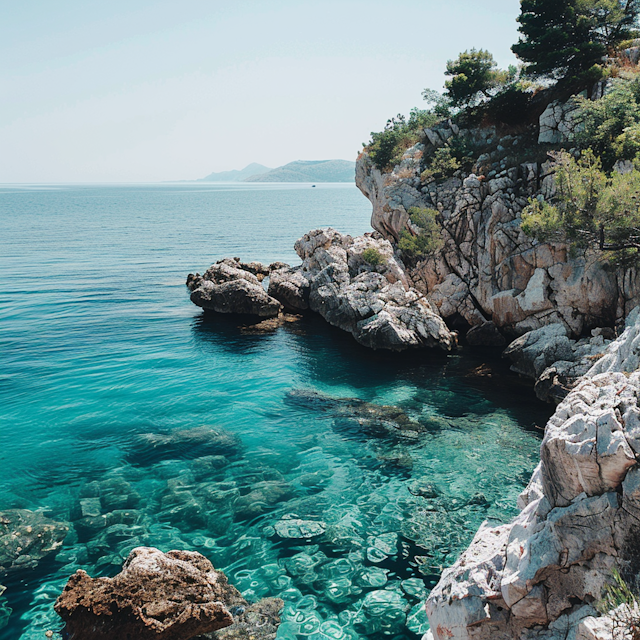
536, 577
374, 302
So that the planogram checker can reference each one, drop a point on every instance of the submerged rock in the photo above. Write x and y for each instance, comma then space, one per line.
262, 497
257, 621
195, 442
157, 596
26, 537
294, 527
355, 416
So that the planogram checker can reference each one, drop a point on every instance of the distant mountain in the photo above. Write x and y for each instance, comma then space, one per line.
309, 171
253, 169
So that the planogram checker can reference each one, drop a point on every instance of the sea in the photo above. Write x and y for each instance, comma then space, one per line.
109, 376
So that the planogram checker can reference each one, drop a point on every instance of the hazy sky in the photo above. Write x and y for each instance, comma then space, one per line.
96, 91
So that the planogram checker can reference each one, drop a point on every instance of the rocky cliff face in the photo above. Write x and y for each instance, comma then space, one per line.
488, 270
540, 576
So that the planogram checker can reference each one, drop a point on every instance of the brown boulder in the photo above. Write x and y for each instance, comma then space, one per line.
157, 596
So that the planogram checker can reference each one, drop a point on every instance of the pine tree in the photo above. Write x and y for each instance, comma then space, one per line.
567, 39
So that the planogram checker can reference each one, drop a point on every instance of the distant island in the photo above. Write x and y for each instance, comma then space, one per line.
297, 171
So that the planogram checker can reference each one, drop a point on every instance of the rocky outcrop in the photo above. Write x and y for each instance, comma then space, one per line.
230, 286
557, 122
157, 596
291, 288
553, 360
488, 269
358, 285
26, 537
539, 576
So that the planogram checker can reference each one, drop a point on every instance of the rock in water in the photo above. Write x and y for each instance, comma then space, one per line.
291, 288
149, 448
358, 285
258, 621
157, 596
293, 527
26, 537
230, 286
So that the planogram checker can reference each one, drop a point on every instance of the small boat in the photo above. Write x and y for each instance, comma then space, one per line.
313, 185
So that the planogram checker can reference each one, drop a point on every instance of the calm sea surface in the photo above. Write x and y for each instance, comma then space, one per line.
100, 345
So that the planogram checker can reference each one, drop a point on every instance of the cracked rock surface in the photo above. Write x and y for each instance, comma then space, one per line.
488, 270
161, 596
373, 302
540, 575
230, 286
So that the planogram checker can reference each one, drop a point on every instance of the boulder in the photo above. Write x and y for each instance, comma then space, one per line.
291, 288
238, 296
230, 286
358, 285
533, 352
26, 537
157, 596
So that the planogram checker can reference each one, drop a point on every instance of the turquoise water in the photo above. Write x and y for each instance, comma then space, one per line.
99, 344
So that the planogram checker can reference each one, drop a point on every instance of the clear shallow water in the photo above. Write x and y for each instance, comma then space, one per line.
99, 344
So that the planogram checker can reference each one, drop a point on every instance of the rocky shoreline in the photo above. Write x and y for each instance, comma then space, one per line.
373, 300
569, 323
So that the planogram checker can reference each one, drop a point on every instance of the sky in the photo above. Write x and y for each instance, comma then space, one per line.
142, 91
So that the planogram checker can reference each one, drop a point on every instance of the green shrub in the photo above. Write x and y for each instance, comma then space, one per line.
429, 239
373, 257
442, 164
386, 147
626, 621
590, 209
609, 126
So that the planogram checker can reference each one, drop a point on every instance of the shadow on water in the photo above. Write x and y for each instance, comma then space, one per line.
215, 331
468, 380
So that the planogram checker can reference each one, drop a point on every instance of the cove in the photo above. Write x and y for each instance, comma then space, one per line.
105, 361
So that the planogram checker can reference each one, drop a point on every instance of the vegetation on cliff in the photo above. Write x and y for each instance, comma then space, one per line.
425, 238
590, 208
567, 40
568, 47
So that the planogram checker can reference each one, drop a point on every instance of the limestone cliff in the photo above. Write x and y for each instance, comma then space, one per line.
488, 270
540, 575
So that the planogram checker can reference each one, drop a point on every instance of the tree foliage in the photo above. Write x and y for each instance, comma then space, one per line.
474, 77
429, 238
387, 146
567, 39
611, 126
590, 209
